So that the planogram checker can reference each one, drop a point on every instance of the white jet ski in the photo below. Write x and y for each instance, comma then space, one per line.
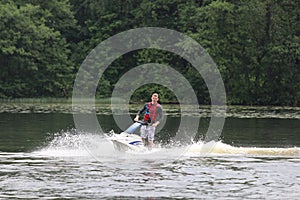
127, 140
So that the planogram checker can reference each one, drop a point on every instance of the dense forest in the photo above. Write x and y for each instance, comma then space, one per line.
256, 45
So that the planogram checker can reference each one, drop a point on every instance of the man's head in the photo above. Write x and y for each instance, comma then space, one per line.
154, 98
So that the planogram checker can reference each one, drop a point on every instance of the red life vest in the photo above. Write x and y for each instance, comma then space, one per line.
151, 114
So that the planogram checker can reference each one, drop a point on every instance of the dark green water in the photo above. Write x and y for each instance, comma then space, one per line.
27, 132
42, 157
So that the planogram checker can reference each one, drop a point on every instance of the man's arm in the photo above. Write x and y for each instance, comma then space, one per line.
160, 116
140, 112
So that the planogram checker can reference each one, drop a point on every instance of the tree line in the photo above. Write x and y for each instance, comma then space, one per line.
255, 44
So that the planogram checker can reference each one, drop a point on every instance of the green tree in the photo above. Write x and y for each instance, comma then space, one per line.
282, 72
34, 57
254, 44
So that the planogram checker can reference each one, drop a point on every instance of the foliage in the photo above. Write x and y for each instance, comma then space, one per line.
34, 56
255, 44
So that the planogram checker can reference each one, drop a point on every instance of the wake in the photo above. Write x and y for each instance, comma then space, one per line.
219, 148
81, 145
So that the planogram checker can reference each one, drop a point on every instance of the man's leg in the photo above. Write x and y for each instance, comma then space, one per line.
144, 134
150, 144
151, 132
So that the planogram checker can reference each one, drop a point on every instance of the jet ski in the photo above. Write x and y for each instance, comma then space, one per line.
127, 140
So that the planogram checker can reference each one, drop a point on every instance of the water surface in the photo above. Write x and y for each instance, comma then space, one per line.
43, 156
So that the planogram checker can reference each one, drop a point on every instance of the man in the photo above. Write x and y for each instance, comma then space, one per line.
153, 115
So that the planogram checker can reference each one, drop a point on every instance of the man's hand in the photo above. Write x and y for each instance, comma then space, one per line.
136, 118
155, 124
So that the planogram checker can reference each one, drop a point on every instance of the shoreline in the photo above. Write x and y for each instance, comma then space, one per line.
50, 100
104, 108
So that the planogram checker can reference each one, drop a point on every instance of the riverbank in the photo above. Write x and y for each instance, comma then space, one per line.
104, 107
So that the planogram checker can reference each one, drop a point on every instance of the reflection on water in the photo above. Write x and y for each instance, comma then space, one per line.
26, 132
43, 156
65, 170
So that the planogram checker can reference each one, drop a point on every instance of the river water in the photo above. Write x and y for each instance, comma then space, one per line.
43, 156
